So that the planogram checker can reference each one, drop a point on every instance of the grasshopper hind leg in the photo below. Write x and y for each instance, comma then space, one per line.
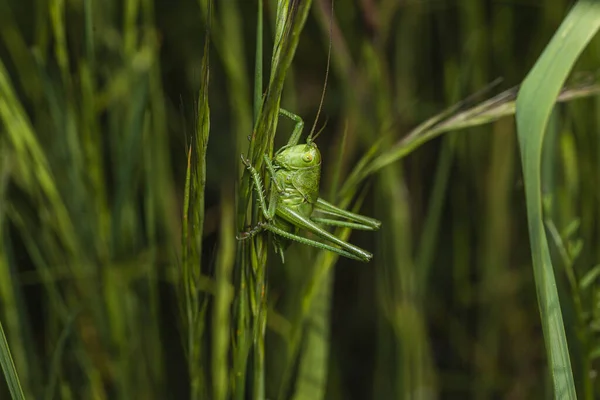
364, 256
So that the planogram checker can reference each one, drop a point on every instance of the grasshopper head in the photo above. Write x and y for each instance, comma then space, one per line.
299, 156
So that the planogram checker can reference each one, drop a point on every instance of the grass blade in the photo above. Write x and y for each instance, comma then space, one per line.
6, 361
8, 366
534, 106
500, 106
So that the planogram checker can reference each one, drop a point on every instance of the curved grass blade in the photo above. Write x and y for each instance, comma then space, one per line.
8, 366
533, 108
449, 120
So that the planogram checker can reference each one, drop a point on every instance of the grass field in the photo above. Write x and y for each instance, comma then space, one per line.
122, 193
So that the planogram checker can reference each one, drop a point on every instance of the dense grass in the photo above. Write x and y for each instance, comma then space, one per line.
122, 191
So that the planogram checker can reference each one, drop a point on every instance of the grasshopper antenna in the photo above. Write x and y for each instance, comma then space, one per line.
320, 130
312, 131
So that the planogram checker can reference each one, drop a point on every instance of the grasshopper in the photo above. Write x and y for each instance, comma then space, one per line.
295, 172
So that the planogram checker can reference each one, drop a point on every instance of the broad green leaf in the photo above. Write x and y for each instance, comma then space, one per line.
534, 105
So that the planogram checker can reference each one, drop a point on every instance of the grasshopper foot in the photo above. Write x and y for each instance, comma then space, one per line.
242, 236
251, 232
246, 161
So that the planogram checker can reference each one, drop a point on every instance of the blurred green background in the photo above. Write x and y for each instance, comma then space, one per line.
98, 108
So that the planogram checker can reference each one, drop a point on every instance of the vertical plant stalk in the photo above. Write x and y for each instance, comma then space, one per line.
258, 62
495, 255
185, 301
223, 298
291, 16
195, 303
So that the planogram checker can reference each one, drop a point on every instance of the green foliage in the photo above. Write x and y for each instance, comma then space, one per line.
534, 105
120, 273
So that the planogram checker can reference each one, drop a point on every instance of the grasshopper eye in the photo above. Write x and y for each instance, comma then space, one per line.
307, 157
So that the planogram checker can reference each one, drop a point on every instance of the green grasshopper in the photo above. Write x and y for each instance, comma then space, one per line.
295, 172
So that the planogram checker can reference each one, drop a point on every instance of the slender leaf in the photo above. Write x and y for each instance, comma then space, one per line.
8, 366
534, 106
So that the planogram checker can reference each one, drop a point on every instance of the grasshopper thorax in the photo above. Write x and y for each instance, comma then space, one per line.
300, 156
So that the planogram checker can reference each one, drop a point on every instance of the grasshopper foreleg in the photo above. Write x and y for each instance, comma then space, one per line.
271, 170
298, 127
268, 211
